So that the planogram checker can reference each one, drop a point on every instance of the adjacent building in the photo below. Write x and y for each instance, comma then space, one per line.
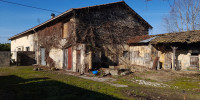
170, 51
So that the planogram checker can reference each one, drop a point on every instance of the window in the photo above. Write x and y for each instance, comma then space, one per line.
125, 54
27, 48
19, 49
194, 60
67, 29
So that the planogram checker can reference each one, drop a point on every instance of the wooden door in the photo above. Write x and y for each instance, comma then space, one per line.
65, 59
69, 67
194, 61
78, 60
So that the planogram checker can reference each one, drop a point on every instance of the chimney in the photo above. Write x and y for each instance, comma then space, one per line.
52, 15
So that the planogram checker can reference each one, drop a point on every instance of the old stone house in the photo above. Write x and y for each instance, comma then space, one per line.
83, 36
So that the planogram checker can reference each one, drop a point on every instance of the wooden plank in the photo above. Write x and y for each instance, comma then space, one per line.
194, 61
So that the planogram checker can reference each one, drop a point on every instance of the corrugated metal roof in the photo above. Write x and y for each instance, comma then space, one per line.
138, 39
147, 40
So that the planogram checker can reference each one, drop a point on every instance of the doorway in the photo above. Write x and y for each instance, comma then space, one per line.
43, 61
68, 58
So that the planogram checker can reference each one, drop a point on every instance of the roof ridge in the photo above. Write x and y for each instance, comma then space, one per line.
49, 20
100, 5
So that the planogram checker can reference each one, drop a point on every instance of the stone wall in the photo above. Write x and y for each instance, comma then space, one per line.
107, 28
103, 21
57, 56
4, 58
141, 55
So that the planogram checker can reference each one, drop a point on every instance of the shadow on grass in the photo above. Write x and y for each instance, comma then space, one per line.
15, 88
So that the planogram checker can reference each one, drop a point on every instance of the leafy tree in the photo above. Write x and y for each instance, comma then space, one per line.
5, 47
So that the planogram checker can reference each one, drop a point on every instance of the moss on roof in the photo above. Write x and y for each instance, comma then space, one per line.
178, 37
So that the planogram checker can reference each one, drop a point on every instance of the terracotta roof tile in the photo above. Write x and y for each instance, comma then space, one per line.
137, 39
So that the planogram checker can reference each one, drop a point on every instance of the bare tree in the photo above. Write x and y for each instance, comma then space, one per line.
184, 16
171, 2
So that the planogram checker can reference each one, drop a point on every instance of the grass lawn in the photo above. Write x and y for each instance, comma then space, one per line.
21, 83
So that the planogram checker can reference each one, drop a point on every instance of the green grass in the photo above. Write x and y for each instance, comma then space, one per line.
185, 83
23, 83
190, 85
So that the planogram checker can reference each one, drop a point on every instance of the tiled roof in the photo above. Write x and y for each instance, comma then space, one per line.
70, 10
178, 37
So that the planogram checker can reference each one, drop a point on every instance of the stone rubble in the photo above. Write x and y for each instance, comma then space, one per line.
106, 80
155, 84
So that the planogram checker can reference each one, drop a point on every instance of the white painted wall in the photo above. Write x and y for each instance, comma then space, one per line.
57, 56
22, 43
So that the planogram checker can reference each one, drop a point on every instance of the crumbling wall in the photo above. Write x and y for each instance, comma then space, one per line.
124, 56
184, 60
57, 57
141, 55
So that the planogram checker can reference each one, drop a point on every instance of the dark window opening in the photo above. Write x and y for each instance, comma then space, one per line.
19, 49
125, 54
194, 54
27, 48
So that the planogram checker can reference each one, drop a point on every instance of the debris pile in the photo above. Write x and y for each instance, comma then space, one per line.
116, 70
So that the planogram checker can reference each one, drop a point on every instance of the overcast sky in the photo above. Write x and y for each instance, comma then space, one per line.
15, 19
